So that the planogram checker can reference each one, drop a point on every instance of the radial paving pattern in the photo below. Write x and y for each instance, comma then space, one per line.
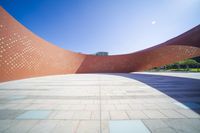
94, 103
23, 54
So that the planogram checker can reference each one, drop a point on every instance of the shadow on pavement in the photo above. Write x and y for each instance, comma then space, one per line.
184, 90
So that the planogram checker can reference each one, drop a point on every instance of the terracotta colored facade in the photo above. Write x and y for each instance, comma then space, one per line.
24, 55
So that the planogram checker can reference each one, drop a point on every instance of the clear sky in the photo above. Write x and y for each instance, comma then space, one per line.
115, 26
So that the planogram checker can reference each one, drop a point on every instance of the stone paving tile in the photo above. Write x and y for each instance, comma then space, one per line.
167, 106
34, 114
65, 127
112, 101
76, 101
63, 107
62, 115
87, 101
88, 127
122, 107
9, 114
19, 106
136, 106
164, 130
20, 101
52, 114
82, 115
150, 106
105, 115
16, 97
137, 115
38, 106
92, 107
128, 126
6, 124
184, 125
7, 106
192, 123
44, 126
188, 113
48, 107
158, 126
33, 107
105, 126
77, 107
172, 114
22, 126
107, 107
154, 114
118, 115
125, 101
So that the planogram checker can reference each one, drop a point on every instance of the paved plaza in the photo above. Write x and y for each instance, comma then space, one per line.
102, 103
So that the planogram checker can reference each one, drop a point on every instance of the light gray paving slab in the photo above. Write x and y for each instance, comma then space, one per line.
92, 107
136, 106
65, 127
62, 115
105, 126
107, 107
165, 130
7, 124
77, 107
122, 107
82, 115
118, 115
44, 126
150, 106
34, 114
9, 114
158, 126
184, 125
172, 114
105, 115
63, 107
137, 114
188, 113
154, 114
22, 126
89, 127
132, 126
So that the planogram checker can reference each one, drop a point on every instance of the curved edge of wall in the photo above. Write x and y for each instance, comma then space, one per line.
24, 54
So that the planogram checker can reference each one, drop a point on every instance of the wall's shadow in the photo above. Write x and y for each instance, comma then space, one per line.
184, 90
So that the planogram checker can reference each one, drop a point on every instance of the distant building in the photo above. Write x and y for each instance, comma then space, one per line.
102, 54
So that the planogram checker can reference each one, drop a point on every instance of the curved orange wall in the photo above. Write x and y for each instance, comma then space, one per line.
23, 54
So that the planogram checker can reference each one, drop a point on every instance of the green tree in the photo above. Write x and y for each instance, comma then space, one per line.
189, 63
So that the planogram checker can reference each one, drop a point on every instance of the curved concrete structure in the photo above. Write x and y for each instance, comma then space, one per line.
23, 54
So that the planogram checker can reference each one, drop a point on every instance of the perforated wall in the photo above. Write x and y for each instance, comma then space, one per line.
23, 54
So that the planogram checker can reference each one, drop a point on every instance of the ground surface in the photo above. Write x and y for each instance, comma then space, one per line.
91, 103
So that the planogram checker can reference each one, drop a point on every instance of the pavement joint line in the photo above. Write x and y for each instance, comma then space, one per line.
100, 107
76, 129
146, 126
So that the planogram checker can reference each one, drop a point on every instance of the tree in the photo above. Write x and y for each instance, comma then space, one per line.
189, 63
197, 59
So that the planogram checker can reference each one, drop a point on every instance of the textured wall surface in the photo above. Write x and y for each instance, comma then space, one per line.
23, 54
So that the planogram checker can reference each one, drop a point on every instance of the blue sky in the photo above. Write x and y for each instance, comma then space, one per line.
115, 26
